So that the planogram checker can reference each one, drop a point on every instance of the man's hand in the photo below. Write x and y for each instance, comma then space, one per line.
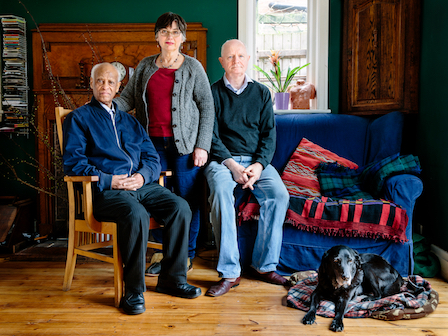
254, 173
133, 182
237, 170
200, 157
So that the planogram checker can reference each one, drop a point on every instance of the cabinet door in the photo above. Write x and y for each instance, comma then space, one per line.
380, 56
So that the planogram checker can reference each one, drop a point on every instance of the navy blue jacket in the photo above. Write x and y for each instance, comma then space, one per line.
93, 145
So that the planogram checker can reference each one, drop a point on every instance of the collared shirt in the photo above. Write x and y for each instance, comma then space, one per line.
110, 110
247, 79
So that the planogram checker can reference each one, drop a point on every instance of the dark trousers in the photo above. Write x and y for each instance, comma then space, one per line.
131, 211
185, 182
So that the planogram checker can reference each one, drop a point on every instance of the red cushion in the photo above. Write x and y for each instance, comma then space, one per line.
299, 176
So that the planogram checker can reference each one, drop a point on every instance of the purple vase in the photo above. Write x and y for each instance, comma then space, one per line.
281, 100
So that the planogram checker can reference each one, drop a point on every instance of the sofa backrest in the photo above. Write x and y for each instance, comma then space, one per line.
360, 139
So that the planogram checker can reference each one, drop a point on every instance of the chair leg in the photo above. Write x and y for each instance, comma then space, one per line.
118, 272
70, 263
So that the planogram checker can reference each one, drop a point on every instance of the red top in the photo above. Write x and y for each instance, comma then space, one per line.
158, 95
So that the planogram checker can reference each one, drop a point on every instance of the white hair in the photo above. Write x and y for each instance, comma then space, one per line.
97, 66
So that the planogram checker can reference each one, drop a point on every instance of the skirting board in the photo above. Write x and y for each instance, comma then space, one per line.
443, 257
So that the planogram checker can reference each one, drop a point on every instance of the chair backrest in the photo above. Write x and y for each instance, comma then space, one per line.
60, 113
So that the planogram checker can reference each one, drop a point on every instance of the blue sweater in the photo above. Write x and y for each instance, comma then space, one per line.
94, 146
244, 123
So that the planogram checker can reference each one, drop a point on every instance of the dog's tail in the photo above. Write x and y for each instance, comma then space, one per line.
415, 289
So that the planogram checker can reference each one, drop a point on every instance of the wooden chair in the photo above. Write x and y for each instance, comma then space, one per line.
86, 234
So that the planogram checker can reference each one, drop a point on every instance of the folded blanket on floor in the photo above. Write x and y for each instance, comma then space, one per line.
361, 218
403, 305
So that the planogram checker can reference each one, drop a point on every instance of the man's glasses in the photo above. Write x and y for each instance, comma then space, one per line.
175, 33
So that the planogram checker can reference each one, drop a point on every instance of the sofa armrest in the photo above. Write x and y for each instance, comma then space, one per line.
404, 190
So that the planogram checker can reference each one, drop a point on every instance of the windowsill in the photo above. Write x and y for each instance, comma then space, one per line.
300, 111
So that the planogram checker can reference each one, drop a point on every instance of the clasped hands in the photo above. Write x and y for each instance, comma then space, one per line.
125, 182
245, 176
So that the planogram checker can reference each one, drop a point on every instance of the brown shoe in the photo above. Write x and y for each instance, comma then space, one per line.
272, 278
222, 287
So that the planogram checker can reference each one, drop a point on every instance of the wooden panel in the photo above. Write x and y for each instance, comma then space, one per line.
69, 51
380, 67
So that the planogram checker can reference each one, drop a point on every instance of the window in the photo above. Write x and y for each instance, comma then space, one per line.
316, 44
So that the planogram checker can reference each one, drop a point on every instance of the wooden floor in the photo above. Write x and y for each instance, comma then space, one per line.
32, 303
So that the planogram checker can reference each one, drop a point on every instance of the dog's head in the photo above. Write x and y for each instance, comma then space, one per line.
340, 265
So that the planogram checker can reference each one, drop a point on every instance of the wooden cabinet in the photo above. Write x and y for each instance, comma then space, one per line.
380, 56
63, 55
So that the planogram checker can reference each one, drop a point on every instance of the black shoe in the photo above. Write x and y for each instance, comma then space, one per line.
154, 269
133, 303
185, 290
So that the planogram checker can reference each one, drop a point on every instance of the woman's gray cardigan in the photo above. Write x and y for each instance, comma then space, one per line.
192, 108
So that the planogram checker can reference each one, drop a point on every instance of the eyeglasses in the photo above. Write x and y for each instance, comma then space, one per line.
175, 33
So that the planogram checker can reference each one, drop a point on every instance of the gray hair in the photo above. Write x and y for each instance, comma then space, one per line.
97, 66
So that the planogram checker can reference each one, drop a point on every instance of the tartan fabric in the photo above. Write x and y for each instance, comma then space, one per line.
337, 181
341, 182
374, 175
299, 298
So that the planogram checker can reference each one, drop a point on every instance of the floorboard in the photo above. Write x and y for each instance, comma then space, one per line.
32, 303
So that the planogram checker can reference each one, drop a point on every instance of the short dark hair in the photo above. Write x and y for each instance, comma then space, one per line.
167, 19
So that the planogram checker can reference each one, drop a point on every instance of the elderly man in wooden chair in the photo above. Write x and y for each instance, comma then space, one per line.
101, 140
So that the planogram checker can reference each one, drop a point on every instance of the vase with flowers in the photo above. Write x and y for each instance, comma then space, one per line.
281, 96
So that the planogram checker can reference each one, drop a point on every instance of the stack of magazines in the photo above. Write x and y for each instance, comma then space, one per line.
14, 78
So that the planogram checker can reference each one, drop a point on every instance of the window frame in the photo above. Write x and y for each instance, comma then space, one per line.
318, 38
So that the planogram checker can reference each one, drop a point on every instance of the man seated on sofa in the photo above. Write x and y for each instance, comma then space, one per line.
242, 148
101, 140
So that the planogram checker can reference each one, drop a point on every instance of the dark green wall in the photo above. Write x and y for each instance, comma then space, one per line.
219, 17
432, 137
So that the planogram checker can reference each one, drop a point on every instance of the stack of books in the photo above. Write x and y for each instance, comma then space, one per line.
14, 116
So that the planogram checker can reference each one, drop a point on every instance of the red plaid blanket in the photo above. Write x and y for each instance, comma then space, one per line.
403, 305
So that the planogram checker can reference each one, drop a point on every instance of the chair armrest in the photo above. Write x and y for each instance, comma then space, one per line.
404, 190
165, 173
81, 178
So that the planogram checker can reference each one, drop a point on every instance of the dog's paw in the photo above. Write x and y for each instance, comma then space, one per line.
309, 318
336, 326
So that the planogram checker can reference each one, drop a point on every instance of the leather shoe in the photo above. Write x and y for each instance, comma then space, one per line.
133, 303
185, 290
222, 287
272, 278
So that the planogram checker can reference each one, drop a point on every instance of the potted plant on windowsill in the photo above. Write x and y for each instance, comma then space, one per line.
281, 96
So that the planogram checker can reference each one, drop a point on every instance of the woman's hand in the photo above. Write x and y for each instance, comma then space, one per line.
200, 157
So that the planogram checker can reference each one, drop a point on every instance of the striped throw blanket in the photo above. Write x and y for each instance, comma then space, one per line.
351, 210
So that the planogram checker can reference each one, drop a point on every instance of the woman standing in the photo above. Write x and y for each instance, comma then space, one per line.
171, 95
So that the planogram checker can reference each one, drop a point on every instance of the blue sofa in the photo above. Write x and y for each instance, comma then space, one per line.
362, 140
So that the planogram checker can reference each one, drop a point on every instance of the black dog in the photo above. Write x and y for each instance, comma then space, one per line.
344, 274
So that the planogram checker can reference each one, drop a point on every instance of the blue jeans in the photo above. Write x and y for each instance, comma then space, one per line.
184, 183
273, 198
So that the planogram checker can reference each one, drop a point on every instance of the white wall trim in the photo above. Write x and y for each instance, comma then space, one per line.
318, 21
443, 257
